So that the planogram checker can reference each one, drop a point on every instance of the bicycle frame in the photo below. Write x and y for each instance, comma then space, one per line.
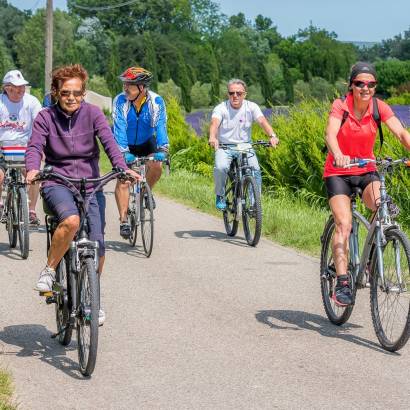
375, 235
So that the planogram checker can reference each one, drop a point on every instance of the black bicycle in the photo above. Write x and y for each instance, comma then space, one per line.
242, 194
15, 213
76, 291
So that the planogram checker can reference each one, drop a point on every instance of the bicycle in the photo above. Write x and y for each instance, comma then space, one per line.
383, 264
76, 291
141, 207
15, 213
242, 194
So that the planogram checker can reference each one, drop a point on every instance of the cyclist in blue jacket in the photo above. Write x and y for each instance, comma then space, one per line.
140, 129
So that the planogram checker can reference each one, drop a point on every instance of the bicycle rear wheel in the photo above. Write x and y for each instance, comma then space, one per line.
390, 301
62, 306
22, 229
251, 211
147, 219
11, 219
87, 320
336, 314
230, 213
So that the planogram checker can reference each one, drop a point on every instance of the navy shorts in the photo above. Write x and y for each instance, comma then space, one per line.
344, 184
60, 201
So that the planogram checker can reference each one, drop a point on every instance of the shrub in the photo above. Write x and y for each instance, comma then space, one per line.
99, 85
169, 90
201, 95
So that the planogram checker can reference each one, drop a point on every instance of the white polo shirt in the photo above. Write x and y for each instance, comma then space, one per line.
236, 125
16, 119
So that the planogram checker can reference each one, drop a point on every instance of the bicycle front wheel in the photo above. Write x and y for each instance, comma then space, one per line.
133, 220
390, 299
87, 320
147, 219
336, 314
11, 219
230, 213
62, 310
251, 211
23, 231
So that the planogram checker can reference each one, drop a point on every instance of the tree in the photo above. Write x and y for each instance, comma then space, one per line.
6, 63
114, 69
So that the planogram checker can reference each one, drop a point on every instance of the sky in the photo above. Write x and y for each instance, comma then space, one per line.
351, 20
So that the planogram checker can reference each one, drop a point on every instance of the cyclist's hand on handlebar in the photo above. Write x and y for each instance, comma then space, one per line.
341, 160
213, 142
133, 174
31, 175
160, 156
128, 157
274, 141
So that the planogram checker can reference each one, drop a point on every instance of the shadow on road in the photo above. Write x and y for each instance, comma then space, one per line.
295, 320
125, 247
219, 236
35, 341
13, 254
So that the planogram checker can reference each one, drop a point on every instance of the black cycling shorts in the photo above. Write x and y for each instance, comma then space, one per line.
344, 184
144, 149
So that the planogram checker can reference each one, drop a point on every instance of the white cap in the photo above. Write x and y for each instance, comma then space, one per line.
14, 77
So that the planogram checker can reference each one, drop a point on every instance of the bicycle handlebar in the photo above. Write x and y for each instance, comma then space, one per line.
385, 162
262, 143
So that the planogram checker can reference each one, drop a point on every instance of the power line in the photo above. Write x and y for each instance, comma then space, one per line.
102, 8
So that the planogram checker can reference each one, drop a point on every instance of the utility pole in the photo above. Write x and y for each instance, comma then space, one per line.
49, 45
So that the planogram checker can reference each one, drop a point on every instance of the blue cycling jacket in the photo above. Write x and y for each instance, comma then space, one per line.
132, 128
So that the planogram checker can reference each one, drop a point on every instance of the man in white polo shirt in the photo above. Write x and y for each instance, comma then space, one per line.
17, 113
231, 123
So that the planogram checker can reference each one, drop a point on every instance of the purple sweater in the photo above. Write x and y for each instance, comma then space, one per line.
69, 142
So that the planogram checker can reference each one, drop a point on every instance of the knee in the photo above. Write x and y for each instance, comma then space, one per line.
344, 227
71, 223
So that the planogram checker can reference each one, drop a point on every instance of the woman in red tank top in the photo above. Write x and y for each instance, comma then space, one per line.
354, 138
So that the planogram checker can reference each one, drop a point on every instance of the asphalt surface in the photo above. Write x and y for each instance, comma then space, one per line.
205, 323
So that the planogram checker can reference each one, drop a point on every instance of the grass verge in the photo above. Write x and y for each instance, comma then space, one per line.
6, 391
287, 221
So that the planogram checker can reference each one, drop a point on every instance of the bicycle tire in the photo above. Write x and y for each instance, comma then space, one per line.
87, 320
132, 220
10, 226
378, 292
336, 314
251, 210
23, 223
231, 211
62, 304
147, 219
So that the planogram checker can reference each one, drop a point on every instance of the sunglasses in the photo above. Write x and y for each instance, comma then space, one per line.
75, 93
362, 84
237, 93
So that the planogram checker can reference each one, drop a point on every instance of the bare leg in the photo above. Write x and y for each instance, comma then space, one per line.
122, 197
62, 238
33, 192
340, 205
154, 171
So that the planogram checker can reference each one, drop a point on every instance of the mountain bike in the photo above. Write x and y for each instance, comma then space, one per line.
242, 194
15, 213
382, 262
141, 207
76, 291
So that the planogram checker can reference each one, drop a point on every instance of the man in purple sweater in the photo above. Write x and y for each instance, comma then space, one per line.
67, 134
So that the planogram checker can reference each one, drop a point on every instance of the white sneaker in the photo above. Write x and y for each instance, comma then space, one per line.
46, 280
101, 317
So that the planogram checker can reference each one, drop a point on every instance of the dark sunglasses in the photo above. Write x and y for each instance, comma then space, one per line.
75, 93
238, 93
362, 84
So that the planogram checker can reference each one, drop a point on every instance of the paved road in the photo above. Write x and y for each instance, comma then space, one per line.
205, 323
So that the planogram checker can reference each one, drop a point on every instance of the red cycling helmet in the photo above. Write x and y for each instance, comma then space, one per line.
137, 75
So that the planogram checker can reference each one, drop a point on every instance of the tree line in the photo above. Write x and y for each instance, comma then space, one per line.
191, 46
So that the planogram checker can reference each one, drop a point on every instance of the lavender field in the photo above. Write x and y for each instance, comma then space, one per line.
199, 119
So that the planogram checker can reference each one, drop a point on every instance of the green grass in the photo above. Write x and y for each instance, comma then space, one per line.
287, 221
6, 391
